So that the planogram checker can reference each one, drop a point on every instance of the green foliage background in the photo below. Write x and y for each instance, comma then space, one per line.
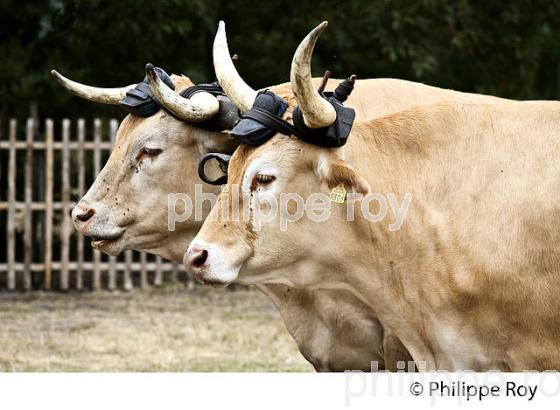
510, 49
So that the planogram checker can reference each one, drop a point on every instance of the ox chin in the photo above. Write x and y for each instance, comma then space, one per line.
217, 279
110, 246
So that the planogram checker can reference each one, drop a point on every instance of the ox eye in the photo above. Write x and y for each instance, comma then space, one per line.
262, 180
148, 153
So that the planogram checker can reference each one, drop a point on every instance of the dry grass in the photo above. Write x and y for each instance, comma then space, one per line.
156, 330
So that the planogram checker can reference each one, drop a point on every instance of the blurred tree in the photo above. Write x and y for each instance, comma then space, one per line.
510, 49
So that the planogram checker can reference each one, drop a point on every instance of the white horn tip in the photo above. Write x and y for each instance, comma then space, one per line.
319, 29
56, 75
221, 30
59, 78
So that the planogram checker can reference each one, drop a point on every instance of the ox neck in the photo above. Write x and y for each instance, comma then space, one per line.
386, 269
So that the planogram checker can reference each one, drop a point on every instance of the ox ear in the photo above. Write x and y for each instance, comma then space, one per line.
334, 171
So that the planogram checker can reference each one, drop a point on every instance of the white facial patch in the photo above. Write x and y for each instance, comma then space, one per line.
219, 267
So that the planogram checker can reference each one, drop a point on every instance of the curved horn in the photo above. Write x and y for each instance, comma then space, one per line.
317, 112
234, 87
200, 107
96, 94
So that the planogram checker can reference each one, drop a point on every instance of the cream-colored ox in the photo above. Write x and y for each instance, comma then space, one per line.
126, 208
470, 280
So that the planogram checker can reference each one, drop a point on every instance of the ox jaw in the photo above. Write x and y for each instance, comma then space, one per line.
108, 242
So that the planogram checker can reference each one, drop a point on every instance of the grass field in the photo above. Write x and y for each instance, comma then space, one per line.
156, 330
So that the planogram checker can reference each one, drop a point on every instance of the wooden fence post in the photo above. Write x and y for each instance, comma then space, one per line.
143, 272
127, 280
158, 278
49, 163
65, 229
12, 207
28, 216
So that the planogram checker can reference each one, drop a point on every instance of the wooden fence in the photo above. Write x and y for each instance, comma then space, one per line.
44, 169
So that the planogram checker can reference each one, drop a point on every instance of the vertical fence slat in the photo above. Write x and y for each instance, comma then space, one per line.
143, 271
127, 281
113, 126
28, 192
175, 272
65, 229
12, 206
96, 169
49, 163
190, 283
112, 284
81, 182
158, 277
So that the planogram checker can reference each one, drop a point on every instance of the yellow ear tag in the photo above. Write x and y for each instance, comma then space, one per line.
338, 194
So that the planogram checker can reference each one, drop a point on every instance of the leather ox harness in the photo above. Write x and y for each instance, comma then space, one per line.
254, 127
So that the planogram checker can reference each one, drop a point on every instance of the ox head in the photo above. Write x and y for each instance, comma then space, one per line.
244, 237
127, 205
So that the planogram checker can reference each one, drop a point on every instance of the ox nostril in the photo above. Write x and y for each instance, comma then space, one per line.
195, 260
85, 215
200, 258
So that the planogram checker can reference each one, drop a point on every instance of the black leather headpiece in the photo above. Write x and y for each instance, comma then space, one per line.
264, 120
254, 128
140, 101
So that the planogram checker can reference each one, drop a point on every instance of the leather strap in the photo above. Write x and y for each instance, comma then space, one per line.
270, 120
212, 88
223, 162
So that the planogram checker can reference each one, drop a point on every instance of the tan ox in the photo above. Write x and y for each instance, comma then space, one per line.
471, 278
126, 208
